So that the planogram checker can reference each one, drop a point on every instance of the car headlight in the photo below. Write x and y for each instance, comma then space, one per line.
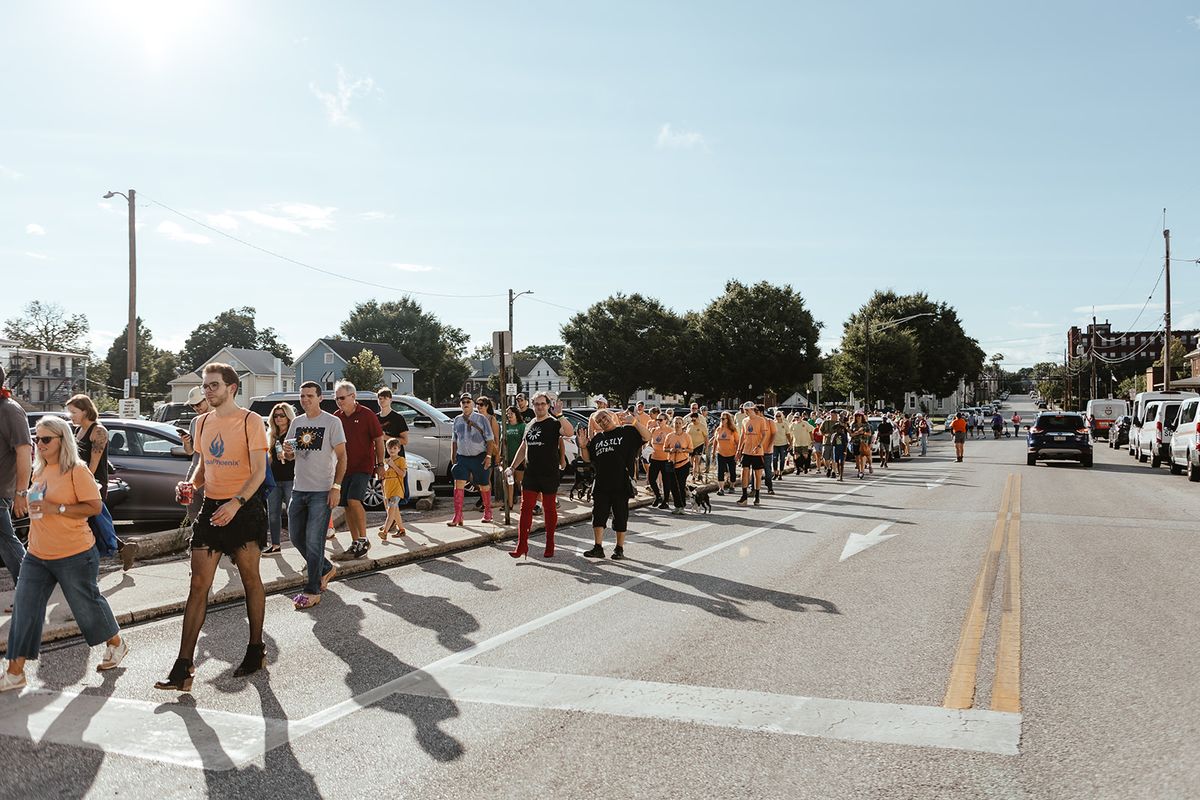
418, 462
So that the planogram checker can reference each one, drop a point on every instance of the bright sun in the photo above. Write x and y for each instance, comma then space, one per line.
159, 25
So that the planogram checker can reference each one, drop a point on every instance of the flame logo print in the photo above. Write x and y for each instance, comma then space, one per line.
217, 448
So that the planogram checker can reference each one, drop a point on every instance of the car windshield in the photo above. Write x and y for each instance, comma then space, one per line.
1060, 423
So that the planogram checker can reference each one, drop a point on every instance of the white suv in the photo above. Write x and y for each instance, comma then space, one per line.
1183, 454
1154, 437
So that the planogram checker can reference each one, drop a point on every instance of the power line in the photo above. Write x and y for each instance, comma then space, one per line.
1139, 316
556, 305
331, 273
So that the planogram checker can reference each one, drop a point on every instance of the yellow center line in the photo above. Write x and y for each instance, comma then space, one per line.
960, 693
1006, 687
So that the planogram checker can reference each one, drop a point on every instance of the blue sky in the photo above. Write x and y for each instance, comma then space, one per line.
1013, 161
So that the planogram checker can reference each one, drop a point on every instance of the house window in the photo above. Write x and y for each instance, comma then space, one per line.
329, 385
941, 404
329, 358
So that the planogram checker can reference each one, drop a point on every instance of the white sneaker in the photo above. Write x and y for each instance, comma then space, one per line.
113, 655
8, 681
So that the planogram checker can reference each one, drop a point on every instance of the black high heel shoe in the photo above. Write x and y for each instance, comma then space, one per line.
255, 659
180, 677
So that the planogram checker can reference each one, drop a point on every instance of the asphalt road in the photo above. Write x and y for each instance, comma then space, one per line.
753, 652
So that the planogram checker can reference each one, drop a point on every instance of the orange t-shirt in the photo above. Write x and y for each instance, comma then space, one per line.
680, 445
55, 536
754, 433
227, 445
726, 442
658, 440
959, 425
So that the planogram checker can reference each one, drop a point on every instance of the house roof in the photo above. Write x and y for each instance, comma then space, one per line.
249, 362
389, 357
482, 368
524, 366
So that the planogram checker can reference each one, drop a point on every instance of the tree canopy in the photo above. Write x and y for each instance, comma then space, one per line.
233, 328
436, 349
365, 371
47, 326
155, 367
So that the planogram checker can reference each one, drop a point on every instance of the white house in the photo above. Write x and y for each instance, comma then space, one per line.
545, 375
43, 380
260, 372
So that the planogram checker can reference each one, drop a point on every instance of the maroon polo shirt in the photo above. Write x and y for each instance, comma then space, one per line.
362, 429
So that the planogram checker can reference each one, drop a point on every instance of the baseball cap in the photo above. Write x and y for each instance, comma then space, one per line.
195, 396
747, 404
601, 399
465, 396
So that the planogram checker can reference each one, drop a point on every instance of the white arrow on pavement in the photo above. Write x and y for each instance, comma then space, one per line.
861, 541
937, 483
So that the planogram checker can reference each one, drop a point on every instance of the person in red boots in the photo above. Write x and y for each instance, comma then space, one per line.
471, 458
541, 450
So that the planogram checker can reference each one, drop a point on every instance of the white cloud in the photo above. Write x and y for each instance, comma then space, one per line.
670, 139
9, 173
33, 229
307, 215
413, 267
1108, 307
225, 222
1036, 325
374, 215
176, 233
291, 217
38, 256
1195, 20
337, 103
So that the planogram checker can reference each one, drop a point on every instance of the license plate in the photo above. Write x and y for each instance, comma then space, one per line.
1060, 438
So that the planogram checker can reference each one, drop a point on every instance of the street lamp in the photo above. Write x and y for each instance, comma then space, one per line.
512, 298
131, 338
883, 326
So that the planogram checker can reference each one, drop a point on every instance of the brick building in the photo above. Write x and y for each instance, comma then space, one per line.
1140, 349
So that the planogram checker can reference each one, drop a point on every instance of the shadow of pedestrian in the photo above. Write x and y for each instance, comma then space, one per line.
338, 629
452, 568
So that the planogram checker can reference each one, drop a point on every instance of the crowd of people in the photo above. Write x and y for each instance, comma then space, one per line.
245, 480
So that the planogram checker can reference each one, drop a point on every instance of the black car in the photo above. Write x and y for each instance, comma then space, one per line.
1059, 436
1118, 432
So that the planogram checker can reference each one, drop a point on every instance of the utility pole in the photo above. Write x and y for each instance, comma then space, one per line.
1167, 316
131, 340
1092, 353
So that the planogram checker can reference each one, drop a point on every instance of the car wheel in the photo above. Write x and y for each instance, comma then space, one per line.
1086, 461
1176, 469
373, 499
1031, 460
1193, 471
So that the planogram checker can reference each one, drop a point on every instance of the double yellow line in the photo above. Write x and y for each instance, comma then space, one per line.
1006, 685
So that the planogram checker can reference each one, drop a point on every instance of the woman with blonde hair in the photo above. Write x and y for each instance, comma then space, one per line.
279, 497
62, 553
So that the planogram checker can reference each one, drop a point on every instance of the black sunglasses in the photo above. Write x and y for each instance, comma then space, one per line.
46, 439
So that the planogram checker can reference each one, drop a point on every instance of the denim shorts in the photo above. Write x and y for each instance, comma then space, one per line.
354, 486
470, 468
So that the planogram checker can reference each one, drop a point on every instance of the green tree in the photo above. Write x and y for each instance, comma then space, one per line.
623, 344
750, 340
1178, 352
233, 328
46, 326
893, 361
436, 349
365, 371
553, 353
150, 361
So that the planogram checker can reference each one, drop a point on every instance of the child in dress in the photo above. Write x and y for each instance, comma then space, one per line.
395, 466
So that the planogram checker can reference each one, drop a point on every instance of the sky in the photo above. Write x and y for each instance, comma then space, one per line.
1013, 161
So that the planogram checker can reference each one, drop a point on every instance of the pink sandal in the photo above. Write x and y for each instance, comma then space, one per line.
303, 602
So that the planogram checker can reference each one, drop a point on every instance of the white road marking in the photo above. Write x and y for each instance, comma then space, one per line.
170, 731
975, 730
935, 484
861, 541
662, 537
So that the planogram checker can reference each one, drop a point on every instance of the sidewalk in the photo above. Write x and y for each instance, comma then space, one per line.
152, 590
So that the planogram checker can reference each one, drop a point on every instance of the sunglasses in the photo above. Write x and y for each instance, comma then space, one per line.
45, 439
341, 397
279, 416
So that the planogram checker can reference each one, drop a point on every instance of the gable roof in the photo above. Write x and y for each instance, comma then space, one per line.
482, 368
524, 366
389, 357
260, 362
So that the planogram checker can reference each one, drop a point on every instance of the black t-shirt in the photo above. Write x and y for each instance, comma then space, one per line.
393, 425
527, 415
610, 453
541, 448
885, 431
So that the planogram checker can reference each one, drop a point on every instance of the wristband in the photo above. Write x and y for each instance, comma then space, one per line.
337, 486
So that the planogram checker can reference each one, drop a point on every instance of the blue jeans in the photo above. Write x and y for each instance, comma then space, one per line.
924, 444
11, 550
279, 500
78, 576
308, 519
780, 458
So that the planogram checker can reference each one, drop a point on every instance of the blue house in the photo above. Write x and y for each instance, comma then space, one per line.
325, 361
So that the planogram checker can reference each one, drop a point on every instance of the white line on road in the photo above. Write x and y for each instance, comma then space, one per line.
850, 720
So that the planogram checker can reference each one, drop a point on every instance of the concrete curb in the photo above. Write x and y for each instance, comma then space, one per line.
67, 630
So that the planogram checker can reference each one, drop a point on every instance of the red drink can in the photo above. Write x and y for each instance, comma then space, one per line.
185, 492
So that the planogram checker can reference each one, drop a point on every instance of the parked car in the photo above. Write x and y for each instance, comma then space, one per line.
1059, 436
893, 445
1118, 432
178, 414
1154, 437
429, 430
1183, 454
1140, 403
1102, 413
149, 457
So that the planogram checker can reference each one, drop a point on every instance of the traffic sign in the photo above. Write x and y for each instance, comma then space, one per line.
127, 409
126, 394
133, 378
510, 388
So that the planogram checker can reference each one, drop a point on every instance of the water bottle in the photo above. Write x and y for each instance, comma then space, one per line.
508, 476
37, 493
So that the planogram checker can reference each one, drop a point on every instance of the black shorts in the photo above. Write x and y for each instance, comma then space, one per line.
248, 525
606, 502
544, 484
354, 486
751, 462
698, 450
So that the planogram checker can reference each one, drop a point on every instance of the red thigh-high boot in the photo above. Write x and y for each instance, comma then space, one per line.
528, 500
459, 495
550, 503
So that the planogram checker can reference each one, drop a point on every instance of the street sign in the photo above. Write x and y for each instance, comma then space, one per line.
501, 344
127, 409
510, 389
126, 394
816, 381
133, 378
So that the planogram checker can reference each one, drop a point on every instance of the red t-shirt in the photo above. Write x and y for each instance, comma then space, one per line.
362, 429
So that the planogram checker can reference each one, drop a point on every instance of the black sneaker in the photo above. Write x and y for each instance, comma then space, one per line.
537, 511
770, 491
596, 552
359, 549
618, 554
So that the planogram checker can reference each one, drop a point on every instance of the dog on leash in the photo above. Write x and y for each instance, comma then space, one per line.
700, 500
584, 477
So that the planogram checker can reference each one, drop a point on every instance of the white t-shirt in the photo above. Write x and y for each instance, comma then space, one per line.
316, 463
